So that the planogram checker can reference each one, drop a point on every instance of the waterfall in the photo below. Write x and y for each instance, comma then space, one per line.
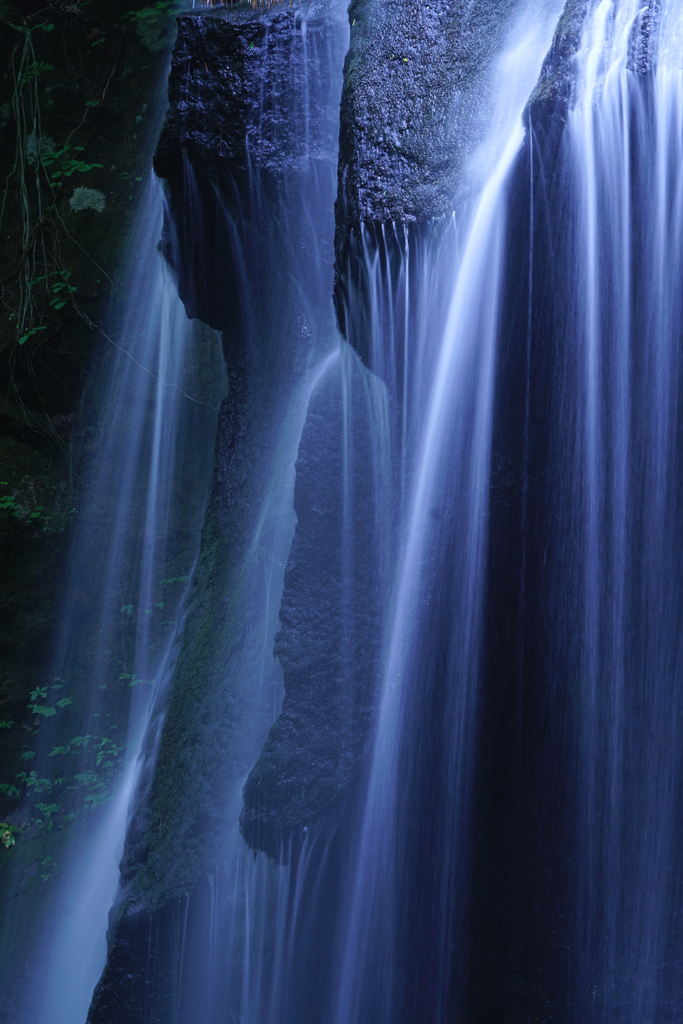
455, 792
403, 951
624, 148
134, 545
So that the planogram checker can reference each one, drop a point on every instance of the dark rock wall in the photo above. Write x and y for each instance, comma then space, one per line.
248, 153
414, 107
247, 201
331, 613
241, 118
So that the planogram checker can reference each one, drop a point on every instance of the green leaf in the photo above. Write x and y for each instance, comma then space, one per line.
81, 741
24, 337
64, 701
28, 755
39, 709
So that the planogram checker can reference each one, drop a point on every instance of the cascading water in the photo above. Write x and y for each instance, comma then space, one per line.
467, 804
622, 490
403, 951
133, 548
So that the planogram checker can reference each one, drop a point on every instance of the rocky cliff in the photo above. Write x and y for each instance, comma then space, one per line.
416, 96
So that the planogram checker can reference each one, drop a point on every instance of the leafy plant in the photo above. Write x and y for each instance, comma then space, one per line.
23, 338
7, 834
47, 711
133, 680
45, 822
77, 743
155, 25
49, 868
9, 503
38, 785
34, 70
24, 510
107, 749
63, 164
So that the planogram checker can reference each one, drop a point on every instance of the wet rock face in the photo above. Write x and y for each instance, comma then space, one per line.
238, 121
331, 632
407, 93
249, 157
413, 109
237, 79
553, 91
236, 154
556, 88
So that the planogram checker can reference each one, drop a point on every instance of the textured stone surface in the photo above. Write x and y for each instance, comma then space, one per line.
414, 107
556, 88
244, 221
415, 85
553, 90
331, 633
241, 119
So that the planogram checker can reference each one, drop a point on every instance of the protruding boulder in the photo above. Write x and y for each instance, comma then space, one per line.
415, 105
331, 613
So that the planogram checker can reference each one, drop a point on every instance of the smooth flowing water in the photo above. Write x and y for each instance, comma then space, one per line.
625, 143
485, 531
133, 549
159, 417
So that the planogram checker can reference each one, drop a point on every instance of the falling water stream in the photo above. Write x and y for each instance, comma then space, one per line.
504, 489
138, 524
625, 144
153, 465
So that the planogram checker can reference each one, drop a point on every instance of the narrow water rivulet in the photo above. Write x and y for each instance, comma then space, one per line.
392, 610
